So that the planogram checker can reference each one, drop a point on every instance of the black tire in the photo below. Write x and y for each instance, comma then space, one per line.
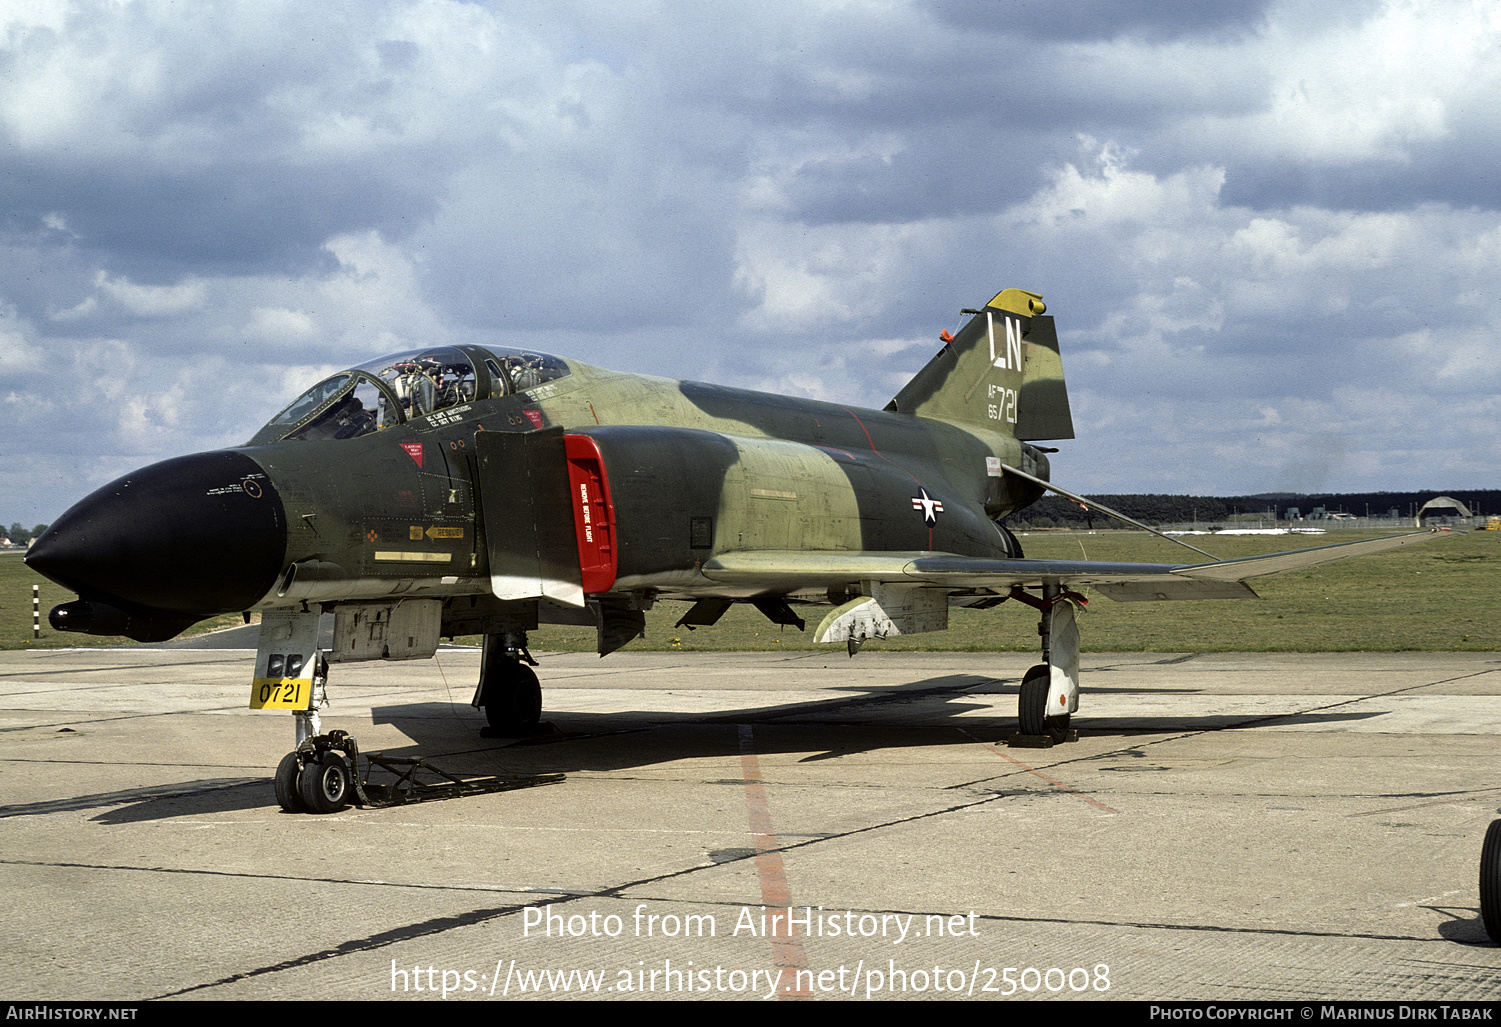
1013, 545
512, 696
325, 786
1032, 706
288, 776
1490, 882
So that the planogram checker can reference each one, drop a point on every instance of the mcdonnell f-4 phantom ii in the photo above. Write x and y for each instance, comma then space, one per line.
459, 490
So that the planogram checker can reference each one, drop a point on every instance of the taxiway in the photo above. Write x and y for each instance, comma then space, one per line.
1227, 827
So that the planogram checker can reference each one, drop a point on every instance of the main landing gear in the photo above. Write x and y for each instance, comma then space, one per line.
1032, 710
1050, 690
508, 688
1490, 882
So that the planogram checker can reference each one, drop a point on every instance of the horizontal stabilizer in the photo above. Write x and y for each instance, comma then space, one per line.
1300, 559
1168, 586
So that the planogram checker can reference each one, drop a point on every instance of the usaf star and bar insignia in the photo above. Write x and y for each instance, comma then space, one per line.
929, 506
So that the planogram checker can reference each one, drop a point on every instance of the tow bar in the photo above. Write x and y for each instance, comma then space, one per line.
322, 775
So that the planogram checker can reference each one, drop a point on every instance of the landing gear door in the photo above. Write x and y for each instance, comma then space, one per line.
286, 661
528, 517
403, 630
1063, 658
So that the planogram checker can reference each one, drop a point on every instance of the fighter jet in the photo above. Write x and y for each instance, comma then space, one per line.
462, 490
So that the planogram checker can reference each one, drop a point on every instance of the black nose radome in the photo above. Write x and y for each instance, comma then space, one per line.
197, 535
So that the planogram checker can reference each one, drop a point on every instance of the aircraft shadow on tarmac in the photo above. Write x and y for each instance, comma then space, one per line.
841, 725
1464, 926
155, 802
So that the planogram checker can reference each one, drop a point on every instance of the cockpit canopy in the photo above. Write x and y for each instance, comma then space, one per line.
406, 386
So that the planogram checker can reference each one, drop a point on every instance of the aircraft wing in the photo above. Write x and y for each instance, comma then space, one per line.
789, 571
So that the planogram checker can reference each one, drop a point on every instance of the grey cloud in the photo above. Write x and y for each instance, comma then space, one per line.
158, 223
1462, 172
1100, 19
792, 197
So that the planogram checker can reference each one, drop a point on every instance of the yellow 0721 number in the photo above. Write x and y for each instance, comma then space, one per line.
279, 693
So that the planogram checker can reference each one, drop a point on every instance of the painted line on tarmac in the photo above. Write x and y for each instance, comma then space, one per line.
1039, 774
786, 948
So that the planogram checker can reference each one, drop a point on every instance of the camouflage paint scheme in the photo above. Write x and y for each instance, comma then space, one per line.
552, 490
695, 472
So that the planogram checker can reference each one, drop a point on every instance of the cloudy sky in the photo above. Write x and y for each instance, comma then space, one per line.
1270, 232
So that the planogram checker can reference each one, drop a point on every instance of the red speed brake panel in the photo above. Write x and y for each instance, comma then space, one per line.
593, 517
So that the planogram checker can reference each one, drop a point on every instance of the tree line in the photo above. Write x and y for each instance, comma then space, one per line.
1056, 512
20, 536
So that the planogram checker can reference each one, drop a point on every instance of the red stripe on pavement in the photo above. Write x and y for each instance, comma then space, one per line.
786, 947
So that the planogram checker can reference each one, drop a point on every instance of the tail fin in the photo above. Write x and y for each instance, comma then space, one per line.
1001, 372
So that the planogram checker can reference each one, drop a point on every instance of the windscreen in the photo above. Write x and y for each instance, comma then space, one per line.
405, 386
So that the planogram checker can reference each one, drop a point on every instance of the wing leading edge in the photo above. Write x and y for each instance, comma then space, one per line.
777, 571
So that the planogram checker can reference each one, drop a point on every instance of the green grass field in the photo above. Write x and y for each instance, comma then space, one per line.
16, 580
1443, 596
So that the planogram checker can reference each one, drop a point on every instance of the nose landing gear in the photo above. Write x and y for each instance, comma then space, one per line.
323, 776
317, 776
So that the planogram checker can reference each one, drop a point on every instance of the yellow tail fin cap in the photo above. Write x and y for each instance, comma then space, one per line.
1018, 301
